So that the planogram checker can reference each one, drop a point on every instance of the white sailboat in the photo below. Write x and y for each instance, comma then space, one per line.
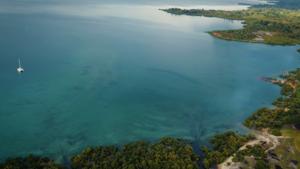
20, 69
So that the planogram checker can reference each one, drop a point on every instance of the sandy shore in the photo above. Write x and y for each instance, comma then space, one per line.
261, 137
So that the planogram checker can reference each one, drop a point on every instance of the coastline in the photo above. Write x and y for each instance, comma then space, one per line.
272, 136
259, 24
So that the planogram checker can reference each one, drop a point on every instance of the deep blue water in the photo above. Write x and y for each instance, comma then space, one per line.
98, 74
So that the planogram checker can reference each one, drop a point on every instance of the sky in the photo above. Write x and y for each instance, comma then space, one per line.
212, 2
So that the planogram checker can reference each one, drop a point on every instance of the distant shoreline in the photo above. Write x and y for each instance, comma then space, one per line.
208, 7
259, 24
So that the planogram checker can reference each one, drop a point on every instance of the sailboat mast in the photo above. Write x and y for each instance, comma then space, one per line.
20, 69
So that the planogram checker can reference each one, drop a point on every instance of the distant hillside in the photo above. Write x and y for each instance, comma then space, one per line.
288, 4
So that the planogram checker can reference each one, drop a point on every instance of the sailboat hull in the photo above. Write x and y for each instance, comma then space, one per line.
20, 70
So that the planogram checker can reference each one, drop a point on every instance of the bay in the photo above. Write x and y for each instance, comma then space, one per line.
103, 73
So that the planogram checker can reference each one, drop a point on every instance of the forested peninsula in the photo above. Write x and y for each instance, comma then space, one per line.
273, 26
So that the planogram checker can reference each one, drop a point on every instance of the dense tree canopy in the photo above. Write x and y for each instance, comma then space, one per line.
223, 146
168, 153
30, 162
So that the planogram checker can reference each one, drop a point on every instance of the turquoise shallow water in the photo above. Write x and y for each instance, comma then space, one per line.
110, 74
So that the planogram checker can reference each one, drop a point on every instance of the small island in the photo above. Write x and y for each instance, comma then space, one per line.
272, 26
